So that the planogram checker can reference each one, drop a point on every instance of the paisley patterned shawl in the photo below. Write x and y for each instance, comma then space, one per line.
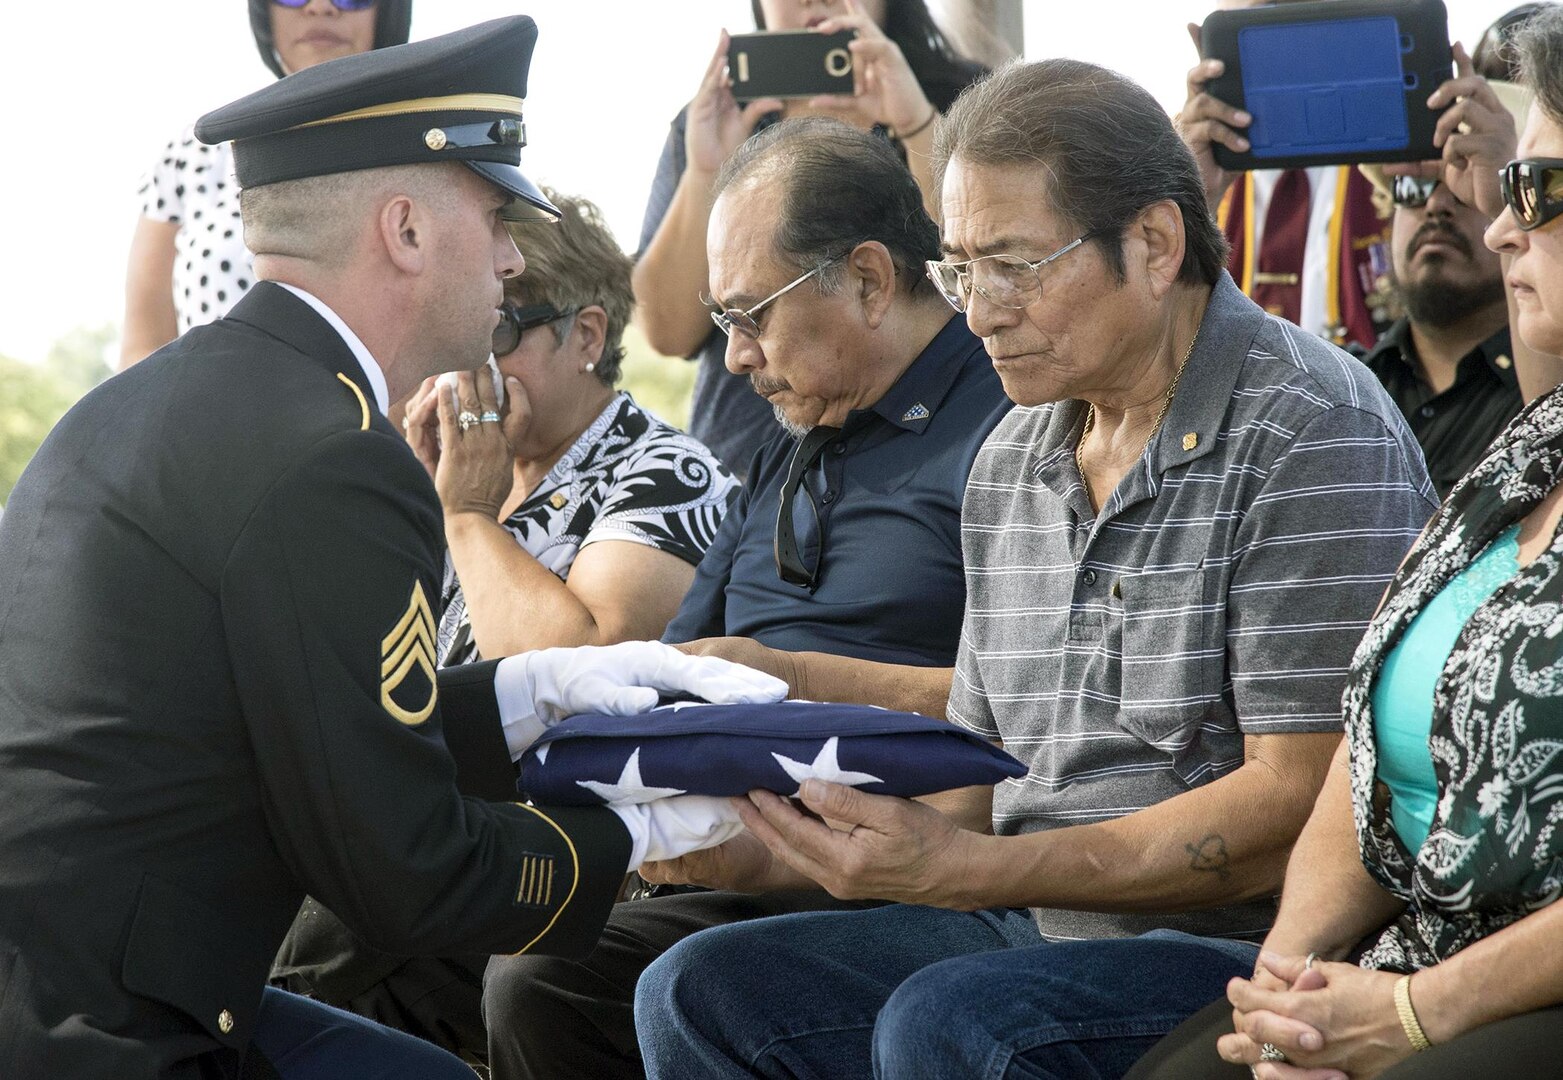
1495, 851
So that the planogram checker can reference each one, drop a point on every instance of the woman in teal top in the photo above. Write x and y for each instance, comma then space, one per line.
1431, 948
1403, 692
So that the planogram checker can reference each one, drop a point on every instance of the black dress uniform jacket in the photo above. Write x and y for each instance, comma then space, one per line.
217, 693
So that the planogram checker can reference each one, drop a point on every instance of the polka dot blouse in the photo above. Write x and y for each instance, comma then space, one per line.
193, 186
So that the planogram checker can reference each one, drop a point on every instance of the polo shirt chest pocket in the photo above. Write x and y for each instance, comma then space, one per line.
1172, 651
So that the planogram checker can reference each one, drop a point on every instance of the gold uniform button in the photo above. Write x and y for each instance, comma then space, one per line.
434, 139
225, 1021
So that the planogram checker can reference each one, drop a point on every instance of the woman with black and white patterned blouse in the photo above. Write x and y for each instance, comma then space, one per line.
580, 517
1419, 936
188, 262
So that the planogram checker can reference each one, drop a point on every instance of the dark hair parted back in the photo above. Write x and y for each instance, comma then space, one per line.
575, 263
940, 71
1108, 148
838, 188
1538, 48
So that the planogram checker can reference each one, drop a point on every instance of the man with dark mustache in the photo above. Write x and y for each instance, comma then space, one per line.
1448, 361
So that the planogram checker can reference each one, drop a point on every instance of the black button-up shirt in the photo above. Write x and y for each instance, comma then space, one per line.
1456, 426
887, 534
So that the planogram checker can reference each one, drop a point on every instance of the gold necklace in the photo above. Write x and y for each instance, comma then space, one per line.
1161, 414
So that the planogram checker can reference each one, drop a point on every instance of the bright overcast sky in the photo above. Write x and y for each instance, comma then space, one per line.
91, 91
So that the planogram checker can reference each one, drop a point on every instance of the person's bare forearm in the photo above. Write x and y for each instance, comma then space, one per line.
826, 677
1222, 843
671, 273
1330, 903
1517, 970
514, 602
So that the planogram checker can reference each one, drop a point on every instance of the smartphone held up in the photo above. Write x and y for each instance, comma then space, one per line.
790, 64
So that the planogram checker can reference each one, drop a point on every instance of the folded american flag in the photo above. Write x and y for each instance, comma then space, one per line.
701, 749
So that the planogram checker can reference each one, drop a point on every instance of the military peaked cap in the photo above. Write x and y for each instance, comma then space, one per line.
457, 97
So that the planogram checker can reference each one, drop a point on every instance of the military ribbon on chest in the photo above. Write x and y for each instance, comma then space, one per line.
407, 649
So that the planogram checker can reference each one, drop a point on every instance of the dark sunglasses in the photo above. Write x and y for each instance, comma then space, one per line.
515, 321
799, 563
1412, 191
1533, 189
340, 5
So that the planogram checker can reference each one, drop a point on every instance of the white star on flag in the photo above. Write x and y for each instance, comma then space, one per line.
630, 789
824, 767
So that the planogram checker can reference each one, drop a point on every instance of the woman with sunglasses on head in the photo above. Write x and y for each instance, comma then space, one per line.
1418, 937
906, 73
188, 262
577, 521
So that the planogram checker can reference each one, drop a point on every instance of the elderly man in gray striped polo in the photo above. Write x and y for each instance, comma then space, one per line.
1172, 547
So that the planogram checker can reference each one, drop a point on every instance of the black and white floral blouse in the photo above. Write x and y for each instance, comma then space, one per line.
1494, 853
628, 477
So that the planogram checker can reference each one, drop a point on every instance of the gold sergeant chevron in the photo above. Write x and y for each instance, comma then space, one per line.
409, 645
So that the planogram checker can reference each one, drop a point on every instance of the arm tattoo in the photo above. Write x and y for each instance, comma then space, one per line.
1210, 855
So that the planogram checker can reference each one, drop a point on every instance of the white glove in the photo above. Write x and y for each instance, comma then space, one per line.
668, 828
536, 690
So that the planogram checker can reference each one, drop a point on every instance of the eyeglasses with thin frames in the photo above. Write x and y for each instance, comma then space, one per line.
1006, 280
744, 321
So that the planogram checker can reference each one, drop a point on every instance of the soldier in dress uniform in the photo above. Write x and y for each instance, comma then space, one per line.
217, 684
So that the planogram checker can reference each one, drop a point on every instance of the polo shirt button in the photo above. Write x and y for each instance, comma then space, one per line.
828, 498
225, 1021
838, 448
1089, 577
1428, 411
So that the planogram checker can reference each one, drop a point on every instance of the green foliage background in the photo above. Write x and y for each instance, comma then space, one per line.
34, 396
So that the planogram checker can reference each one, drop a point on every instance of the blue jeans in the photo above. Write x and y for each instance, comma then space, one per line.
905, 992
310, 1040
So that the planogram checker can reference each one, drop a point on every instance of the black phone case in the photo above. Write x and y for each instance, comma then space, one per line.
790, 63
1333, 82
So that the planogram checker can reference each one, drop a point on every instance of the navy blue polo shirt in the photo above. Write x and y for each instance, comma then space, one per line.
890, 585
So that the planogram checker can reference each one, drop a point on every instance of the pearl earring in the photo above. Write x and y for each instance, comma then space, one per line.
591, 367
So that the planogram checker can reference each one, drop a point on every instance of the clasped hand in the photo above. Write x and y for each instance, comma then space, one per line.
1332, 1021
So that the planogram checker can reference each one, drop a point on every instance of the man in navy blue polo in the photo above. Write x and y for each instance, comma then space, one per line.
840, 566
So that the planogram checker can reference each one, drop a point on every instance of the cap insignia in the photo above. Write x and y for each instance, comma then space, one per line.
434, 139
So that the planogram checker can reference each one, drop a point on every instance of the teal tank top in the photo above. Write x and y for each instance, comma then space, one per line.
1403, 693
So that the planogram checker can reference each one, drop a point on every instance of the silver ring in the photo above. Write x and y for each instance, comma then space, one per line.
1270, 1052
466, 418
490, 417
1308, 963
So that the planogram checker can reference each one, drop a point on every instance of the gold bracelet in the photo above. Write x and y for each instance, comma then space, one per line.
1408, 1020
933, 114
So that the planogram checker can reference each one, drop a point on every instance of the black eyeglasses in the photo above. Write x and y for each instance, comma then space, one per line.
799, 564
1533, 189
340, 5
515, 321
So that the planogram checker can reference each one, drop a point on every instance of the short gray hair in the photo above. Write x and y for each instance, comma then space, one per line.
1538, 47
1108, 148
839, 187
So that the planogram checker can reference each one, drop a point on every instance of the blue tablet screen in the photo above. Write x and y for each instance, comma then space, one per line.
1325, 87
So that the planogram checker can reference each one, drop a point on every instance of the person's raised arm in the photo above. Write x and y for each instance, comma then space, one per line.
150, 319
671, 272
1205, 121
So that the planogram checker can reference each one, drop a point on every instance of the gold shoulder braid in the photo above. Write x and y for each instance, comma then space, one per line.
1166, 403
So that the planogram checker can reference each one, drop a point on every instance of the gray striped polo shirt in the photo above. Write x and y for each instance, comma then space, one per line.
1221, 590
